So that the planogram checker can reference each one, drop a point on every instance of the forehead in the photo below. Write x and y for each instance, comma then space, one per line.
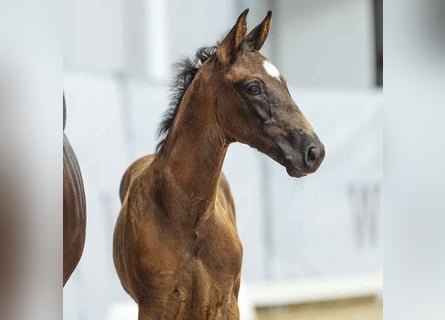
254, 64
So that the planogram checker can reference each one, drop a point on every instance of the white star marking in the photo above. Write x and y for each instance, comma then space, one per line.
271, 69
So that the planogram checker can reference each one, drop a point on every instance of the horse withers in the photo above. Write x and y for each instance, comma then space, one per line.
176, 245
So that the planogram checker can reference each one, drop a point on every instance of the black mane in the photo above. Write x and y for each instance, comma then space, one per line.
185, 72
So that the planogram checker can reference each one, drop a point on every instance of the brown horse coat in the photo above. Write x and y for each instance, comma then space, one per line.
74, 209
176, 246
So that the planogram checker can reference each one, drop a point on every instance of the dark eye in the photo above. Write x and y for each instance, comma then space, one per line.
253, 89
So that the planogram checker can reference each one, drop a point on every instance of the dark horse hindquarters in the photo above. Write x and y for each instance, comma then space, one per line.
74, 209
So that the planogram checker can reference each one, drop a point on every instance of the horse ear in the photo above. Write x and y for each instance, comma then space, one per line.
230, 45
255, 39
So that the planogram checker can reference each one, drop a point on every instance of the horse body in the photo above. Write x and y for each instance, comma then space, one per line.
74, 209
176, 245
179, 257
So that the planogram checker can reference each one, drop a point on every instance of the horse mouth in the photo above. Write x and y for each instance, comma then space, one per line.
292, 169
294, 172
287, 162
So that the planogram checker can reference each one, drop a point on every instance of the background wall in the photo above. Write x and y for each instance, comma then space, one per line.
117, 69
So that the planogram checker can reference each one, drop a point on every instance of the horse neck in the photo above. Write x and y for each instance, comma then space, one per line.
195, 148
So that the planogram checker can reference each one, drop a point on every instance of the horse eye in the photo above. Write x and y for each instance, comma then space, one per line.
253, 89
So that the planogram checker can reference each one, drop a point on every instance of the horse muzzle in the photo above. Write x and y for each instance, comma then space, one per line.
303, 154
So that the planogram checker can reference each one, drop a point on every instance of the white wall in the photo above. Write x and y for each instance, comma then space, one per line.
93, 36
326, 43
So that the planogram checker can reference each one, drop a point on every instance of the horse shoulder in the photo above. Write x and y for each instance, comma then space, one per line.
124, 240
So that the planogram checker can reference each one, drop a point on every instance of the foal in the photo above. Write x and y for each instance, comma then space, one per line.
176, 246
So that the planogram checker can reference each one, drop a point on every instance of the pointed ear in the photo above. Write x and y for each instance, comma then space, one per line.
230, 45
255, 39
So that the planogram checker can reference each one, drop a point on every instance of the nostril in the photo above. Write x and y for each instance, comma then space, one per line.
312, 155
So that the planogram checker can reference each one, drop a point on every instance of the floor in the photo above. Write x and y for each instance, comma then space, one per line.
356, 309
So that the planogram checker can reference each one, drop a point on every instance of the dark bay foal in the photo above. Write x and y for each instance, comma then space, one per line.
176, 246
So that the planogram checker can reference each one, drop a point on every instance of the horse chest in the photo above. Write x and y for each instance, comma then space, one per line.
218, 246
200, 268
212, 249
